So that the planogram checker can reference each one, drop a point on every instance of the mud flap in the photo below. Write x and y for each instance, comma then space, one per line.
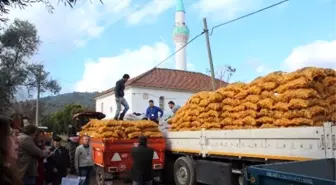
213, 173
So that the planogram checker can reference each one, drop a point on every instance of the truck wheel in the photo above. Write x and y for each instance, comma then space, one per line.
184, 173
100, 176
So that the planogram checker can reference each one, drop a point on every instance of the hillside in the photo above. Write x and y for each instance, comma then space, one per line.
54, 103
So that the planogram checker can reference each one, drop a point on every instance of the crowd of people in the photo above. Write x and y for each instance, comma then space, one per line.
24, 159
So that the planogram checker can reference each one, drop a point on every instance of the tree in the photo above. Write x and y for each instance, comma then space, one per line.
5, 5
37, 76
59, 122
18, 44
27, 108
223, 73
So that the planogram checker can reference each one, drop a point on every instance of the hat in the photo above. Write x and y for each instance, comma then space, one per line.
57, 139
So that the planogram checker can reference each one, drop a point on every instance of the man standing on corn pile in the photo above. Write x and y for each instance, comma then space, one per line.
119, 97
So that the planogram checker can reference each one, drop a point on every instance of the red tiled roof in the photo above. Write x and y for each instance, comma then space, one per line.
172, 79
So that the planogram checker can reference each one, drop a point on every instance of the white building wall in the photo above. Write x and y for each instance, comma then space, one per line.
140, 102
180, 56
107, 105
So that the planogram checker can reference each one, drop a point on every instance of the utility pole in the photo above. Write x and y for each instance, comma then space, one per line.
206, 31
38, 80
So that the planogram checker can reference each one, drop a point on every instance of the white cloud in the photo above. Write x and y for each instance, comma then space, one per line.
103, 73
225, 9
258, 66
318, 54
86, 20
150, 11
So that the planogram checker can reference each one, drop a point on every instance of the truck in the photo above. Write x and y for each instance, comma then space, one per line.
299, 173
79, 120
112, 158
222, 156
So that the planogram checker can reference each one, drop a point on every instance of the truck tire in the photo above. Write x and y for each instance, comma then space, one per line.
184, 173
100, 175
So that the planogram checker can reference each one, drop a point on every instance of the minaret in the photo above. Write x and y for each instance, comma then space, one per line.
180, 36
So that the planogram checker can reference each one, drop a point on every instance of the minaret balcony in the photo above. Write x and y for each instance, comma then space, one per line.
181, 30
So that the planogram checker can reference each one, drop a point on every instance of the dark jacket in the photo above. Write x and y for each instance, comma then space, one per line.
119, 88
28, 156
142, 169
58, 160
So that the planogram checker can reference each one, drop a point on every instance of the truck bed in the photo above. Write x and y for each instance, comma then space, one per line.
115, 155
297, 143
321, 172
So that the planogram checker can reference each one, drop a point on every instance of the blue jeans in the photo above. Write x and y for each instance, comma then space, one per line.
29, 180
121, 101
86, 172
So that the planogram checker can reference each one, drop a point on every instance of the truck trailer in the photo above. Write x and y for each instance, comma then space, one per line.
319, 171
221, 156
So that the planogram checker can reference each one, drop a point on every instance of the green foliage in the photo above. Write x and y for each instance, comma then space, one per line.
56, 103
37, 75
18, 43
59, 122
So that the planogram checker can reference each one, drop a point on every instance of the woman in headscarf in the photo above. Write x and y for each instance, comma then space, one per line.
8, 153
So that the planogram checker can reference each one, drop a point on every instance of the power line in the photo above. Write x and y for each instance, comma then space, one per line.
247, 15
179, 49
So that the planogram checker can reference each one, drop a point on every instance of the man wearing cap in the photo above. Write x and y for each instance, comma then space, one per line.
58, 162
142, 169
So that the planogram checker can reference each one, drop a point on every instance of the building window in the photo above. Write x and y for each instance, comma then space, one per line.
102, 107
111, 109
145, 96
161, 102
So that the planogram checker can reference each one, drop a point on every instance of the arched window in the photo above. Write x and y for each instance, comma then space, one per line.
161, 102
102, 107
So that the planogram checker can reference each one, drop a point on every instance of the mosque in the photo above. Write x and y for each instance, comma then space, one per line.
160, 84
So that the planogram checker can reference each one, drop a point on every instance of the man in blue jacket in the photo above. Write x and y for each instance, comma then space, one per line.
119, 97
152, 112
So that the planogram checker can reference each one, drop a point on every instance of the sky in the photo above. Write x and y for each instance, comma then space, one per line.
88, 48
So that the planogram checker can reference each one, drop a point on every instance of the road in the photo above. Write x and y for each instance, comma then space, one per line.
115, 182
